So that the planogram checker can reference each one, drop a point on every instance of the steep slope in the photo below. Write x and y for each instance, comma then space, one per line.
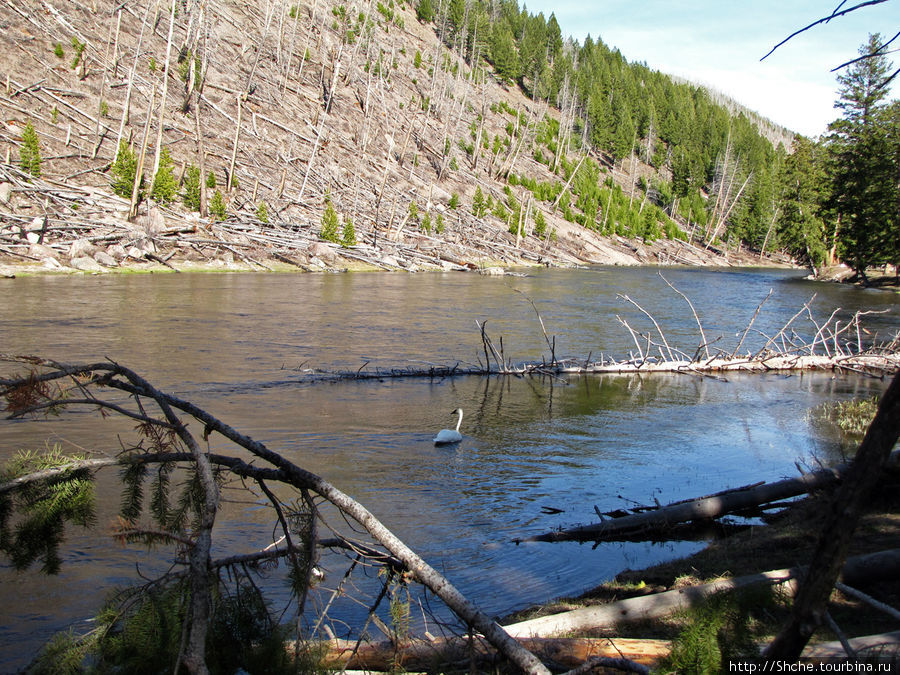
356, 106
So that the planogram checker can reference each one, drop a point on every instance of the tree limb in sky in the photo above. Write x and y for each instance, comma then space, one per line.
836, 13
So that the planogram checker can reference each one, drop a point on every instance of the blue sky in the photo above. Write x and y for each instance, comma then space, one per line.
720, 44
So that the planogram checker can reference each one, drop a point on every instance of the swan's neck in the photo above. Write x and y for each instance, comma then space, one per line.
459, 421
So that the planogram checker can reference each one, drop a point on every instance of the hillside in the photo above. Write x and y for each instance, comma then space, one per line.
308, 115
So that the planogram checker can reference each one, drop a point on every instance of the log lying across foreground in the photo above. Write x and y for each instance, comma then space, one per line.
654, 523
858, 570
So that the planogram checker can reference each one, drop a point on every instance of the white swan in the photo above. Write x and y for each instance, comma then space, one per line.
446, 436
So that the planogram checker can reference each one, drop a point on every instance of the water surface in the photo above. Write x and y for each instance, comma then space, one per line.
238, 345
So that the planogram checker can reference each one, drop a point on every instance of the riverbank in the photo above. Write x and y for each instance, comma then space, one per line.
786, 540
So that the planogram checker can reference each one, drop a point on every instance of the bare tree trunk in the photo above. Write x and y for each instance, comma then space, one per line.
165, 91
234, 149
139, 173
847, 505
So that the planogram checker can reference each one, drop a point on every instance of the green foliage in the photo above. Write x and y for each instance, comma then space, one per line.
851, 417
454, 201
425, 11
191, 194
217, 206
417, 59
293, 12
43, 507
425, 224
123, 171
439, 226
30, 151
540, 224
152, 64
413, 211
79, 48
211, 180
723, 628
165, 186
141, 631
262, 213
864, 148
329, 231
348, 234
59, 51
104, 109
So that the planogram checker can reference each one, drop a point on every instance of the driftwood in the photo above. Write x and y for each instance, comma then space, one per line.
857, 570
655, 521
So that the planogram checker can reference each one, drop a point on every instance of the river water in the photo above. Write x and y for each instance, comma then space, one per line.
238, 345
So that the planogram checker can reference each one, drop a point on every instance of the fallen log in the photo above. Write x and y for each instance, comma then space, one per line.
421, 654
640, 608
835, 650
651, 523
857, 569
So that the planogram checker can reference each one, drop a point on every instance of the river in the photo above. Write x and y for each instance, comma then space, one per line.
238, 345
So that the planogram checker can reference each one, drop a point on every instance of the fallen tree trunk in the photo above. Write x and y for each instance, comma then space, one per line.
858, 569
651, 523
640, 608
424, 654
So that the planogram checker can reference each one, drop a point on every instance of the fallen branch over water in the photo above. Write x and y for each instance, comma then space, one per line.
841, 344
654, 523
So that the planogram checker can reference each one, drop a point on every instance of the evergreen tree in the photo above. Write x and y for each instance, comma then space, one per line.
348, 234
123, 170
800, 228
217, 206
329, 231
479, 205
424, 11
30, 152
191, 195
864, 175
165, 187
504, 55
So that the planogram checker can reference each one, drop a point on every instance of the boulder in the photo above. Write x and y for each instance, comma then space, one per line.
118, 252
105, 259
323, 252
5, 192
81, 248
41, 251
492, 272
86, 264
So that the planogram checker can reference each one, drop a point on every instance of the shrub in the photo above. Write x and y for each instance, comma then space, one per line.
165, 187
59, 51
104, 109
426, 223
191, 195
79, 48
30, 152
329, 231
123, 171
439, 224
217, 206
454, 201
262, 213
211, 180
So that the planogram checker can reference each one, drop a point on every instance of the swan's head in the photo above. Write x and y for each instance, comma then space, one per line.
458, 411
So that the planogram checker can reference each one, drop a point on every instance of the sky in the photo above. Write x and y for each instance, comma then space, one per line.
720, 43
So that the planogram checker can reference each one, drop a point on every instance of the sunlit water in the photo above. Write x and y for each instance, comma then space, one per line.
237, 345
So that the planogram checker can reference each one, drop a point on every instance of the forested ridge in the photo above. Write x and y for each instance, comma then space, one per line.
436, 134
